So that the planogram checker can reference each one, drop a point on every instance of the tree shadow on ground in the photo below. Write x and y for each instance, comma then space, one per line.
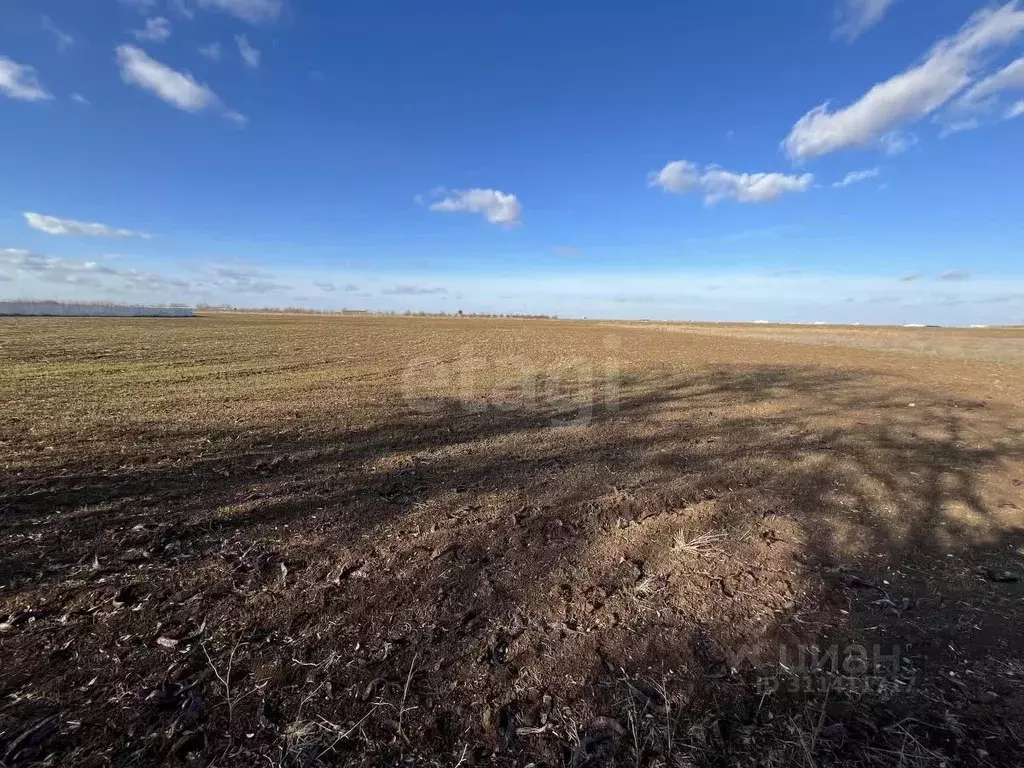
622, 571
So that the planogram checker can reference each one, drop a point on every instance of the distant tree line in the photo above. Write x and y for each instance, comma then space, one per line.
375, 313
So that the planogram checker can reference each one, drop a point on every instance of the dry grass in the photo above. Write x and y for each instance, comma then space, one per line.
302, 540
996, 344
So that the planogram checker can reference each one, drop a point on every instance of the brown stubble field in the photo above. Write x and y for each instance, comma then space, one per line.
301, 541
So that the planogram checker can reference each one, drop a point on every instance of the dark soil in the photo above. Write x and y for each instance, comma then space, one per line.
320, 541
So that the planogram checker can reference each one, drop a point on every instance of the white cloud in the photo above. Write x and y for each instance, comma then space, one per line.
981, 103
857, 16
63, 39
413, 290
243, 280
678, 176
720, 184
142, 6
252, 11
1010, 77
897, 142
983, 98
19, 81
80, 99
954, 275
156, 31
52, 225
179, 89
946, 70
90, 274
249, 55
716, 184
211, 51
854, 176
959, 126
180, 8
496, 206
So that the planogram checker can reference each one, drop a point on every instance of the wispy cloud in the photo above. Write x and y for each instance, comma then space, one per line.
249, 55
80, 99
494, 205
211, 51
98, 276
910, 277
142, 6
983, 103
567, 251
52, 269
1010, 77
157, 30
52, 225
252, 11
181, 8
64, 41
954, 275
857, 16
946, 70
179, 89
329, 287
856, 176
243, 280
20, 81
716, 184
413, 290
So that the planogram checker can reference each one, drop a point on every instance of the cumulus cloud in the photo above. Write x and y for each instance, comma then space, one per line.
179, 89
496, 206
252, 11
249, 55
52, 225
20, 81
677, 176
156, 31
857, 16
211, 51
716, 184
855, 176
946, 70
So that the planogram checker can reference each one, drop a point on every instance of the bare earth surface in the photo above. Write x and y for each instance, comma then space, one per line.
300, 541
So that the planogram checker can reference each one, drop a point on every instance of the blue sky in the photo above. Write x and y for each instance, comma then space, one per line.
801, 160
